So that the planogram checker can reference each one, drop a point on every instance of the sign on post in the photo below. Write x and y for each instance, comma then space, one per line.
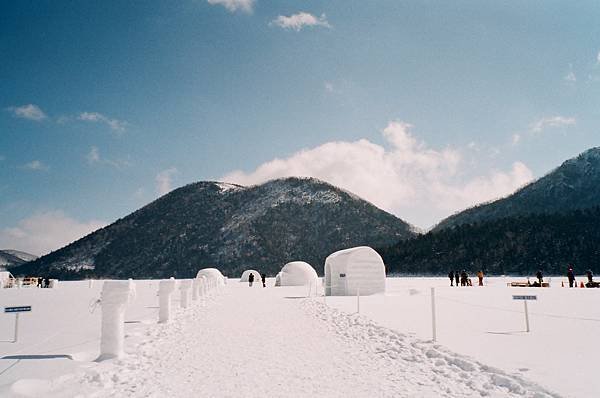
525, 298
17, 311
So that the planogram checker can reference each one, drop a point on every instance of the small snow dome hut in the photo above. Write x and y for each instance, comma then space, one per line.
296, 273
212, 273
246, 274
356, 270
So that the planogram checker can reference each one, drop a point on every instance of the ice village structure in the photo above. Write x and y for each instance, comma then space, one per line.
246, 275
359, 270
212, 273
296, 273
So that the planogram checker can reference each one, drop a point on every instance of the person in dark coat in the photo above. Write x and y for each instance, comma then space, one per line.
571, 277
456, 277
451, 276
263, 278
251, 279
590, 275
540, 276
464, 278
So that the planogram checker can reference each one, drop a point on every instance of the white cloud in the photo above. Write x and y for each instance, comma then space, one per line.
598, 58
515, 139
35, 165
300, 20
93, 157
570, 77
551, 122
415, 182
95, 117
29, 111
234, 5
329, 87
164, 180
46, 231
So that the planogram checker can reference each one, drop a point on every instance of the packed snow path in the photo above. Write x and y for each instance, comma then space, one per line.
272, 342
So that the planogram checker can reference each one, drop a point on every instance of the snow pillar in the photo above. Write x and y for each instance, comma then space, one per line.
194, 289
165, 289
115, 297
184, 289
204, 285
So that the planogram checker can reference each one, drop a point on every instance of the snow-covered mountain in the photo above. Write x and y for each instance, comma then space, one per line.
572, 186
11, 258
229, 226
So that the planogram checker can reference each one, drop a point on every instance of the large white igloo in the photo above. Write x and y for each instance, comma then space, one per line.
352, 271
246, 274
296, 273
212, 273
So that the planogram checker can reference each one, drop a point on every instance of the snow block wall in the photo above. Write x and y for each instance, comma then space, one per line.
296, 273
359, 269
246, 274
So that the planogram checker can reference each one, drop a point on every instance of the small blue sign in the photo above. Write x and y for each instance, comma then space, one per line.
26, 308
524, 297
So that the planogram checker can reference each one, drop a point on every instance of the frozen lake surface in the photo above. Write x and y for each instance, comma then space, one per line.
275, 342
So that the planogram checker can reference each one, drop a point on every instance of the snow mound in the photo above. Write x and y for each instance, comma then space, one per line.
352, 271
212, 273
246, 275
296, 273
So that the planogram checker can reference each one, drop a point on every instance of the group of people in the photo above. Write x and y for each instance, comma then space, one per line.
43, 282
588, 273
570, 277
463, 278
263, 278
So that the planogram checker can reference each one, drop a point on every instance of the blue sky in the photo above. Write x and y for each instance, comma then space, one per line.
422, 107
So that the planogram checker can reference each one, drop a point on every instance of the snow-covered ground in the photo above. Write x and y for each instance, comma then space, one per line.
273, 342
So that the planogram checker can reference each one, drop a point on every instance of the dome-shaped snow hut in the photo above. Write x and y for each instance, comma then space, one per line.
246, 274
296, 273
212, 273
356, 270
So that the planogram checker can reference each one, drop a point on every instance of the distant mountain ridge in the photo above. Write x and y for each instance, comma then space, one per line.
517, 245
11, 258
572, 186
229, 226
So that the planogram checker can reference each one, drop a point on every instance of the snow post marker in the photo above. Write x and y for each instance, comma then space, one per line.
165, 289
184, 290
115, 297
433, 325
195, 289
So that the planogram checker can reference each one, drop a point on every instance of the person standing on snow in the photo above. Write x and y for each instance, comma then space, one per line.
451, 276
590, 275
571, 277
263, 278
456, 277
251, 279
540, 276
480, 277
464, 278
